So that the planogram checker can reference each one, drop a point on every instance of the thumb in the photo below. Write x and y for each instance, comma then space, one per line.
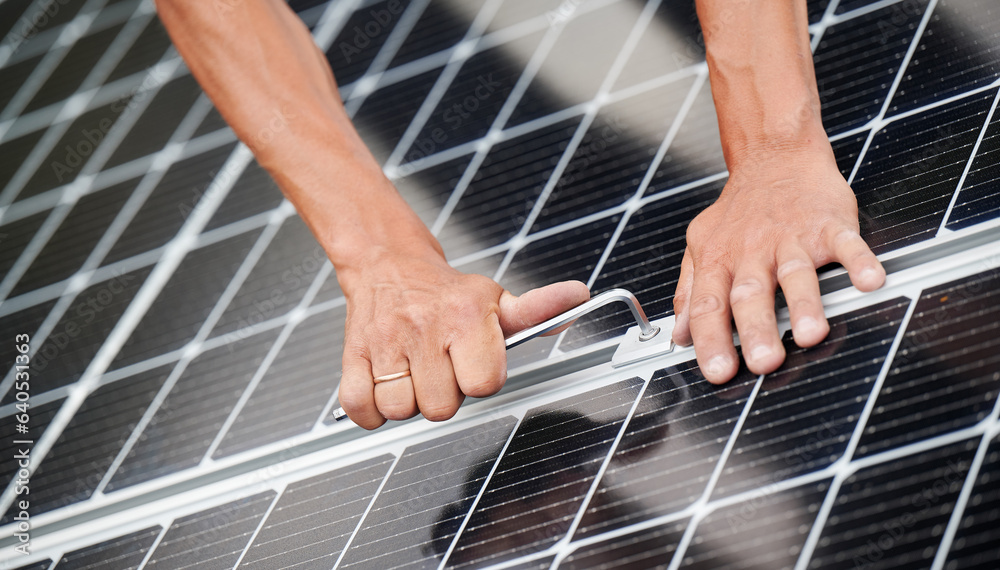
537, 305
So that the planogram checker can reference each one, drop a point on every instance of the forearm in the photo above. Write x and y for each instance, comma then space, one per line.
762, 77
259, 65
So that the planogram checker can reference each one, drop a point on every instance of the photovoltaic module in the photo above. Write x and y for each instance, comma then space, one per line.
186, 329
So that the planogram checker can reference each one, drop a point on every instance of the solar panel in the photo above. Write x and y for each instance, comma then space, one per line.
186, 329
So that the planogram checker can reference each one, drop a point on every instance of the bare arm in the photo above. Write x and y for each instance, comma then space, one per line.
786, 208
407, 308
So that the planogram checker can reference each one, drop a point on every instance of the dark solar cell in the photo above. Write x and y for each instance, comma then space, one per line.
212, 538
959, 51
212, 122
544, 476
78, 460
122, 553
671, 42
47, 16
946, 373
254, 192
148, 48
314, 518
767, 530
538, 564
670, 448
428, 190
39, 416
497, 202
473, 99
278, 281
979, 199
911, 170
441, 26
13, 76
66, 159
295, 388
806, 411
186, 300
26, 321
975, 543
175, 197
572, 254
158, 122
649, 549
580, 63
891, 515
73, 68
76, 237
193, 412
13, 17
15, 152
646, 260
16, 236
610, 162
386, 114
857, 60
361, 38
816, 9
81, 331
695, 151
426, 498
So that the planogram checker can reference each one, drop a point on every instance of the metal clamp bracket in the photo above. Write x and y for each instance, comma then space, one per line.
641, 341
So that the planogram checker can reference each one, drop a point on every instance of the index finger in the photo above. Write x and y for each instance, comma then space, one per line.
711, 326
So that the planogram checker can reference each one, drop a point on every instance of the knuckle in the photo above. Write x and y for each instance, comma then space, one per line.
439, 411
487, 384
794, 266
705, 304
745, 291
395, 408
353, 400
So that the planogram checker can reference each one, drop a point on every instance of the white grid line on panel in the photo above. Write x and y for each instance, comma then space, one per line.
263, 520
299, 313
24, 95
365, 85
84, 276
111, 141
878, 122
968, 166
479, 496
564, 542
134, 168
28, 42
517, 242
461, 53
68, 36
701, 508
632, 205
371, 503
842, 467
194, 348
162, 271
958, 511
156, 542
15, 37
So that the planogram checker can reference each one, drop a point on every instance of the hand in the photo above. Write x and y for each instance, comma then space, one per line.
778, 219
417, 313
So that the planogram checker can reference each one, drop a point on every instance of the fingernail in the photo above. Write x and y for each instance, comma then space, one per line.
717, 366
761, 352
869, 275
807, 326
